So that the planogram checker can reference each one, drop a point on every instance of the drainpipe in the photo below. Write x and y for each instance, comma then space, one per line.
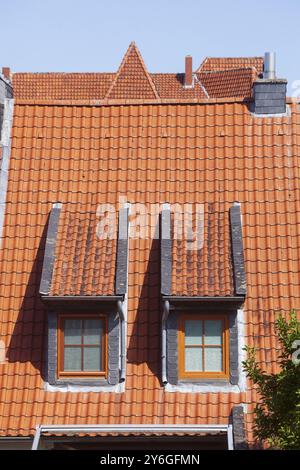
123, 340
166, 311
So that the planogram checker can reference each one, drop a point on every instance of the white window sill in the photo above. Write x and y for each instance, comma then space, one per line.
118, 388
190, 387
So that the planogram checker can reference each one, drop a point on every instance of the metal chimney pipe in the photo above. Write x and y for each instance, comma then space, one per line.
269, 66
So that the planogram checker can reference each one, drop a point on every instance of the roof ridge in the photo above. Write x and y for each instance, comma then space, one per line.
166, 73
64, 73
202, 64
129, 101
132, 46
235, 57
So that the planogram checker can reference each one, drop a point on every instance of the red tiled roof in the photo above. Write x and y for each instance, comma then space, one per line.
132, 80
228, 83
85, 262
213, 64
61, 86
225, 78
202, 262
95, 86
87, 154
171, 85
180, 153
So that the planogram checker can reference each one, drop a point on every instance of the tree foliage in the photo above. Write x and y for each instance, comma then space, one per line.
277, 415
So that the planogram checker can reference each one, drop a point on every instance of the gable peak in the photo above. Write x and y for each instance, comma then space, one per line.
132, 79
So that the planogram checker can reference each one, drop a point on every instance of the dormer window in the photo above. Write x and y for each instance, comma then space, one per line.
203, 346
203, 287
83, 286
82, 345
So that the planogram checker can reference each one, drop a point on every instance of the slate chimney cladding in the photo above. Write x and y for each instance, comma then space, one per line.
269, 92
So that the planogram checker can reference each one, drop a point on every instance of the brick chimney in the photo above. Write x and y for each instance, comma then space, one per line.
188, 76
269, 92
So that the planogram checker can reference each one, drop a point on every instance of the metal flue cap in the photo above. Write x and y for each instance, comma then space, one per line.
270, 66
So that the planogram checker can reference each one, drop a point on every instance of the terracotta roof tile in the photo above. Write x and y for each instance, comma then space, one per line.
132, 80
76, 86
170, 85
217, 77
213, 153
61, 86
228, 83
213, 64
85, 262
202, 259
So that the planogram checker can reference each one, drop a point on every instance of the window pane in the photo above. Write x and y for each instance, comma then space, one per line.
72, 359
92, 331
193, 332
193, 359
213, 360
92, 359
72, 331
213, 332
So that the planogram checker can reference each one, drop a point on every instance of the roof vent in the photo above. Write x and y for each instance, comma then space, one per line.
188, 76
269, 66
269, 92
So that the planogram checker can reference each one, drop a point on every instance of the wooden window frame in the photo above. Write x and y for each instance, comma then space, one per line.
224, 374
60, 347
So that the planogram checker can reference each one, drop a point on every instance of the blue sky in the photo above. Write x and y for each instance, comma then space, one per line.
92, 35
